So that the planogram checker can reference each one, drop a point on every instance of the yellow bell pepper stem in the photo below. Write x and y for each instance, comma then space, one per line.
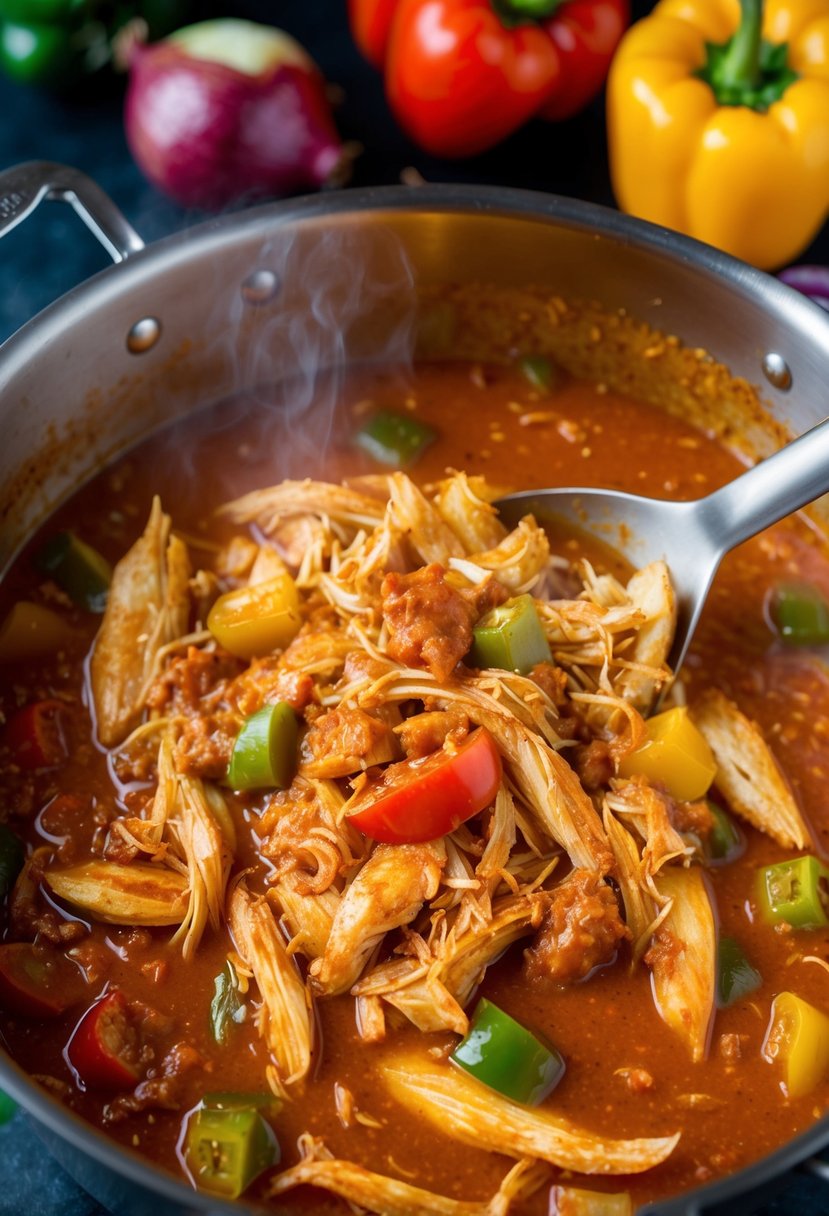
720, 129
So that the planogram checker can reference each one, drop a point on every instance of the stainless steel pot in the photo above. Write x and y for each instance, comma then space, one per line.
248, 298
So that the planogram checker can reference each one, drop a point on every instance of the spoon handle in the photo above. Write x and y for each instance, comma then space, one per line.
785, 482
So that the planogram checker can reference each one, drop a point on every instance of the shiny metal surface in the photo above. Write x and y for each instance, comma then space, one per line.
72, 397
692, 537
25, 186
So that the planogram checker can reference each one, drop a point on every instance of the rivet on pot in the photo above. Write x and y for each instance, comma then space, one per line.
260, 287
777, 371
143, 335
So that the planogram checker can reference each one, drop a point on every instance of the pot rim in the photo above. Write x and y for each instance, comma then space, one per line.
784, 303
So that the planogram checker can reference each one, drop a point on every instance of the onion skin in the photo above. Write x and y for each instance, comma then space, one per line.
812, 281
208, 134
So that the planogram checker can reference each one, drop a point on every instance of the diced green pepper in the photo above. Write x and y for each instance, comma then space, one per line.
724, 840
11, 859
266, 1102
792, 892
228, 1149
226, 1003
394, 439
79, 569
539, 371
510, 637
505, 1056
736, 977
264, 754
801, 614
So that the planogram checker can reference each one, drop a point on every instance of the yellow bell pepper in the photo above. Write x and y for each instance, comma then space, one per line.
675, 755
258, 619
718, 123
798, 1038
30, 631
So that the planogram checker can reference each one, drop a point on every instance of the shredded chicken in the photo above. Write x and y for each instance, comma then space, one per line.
147, 607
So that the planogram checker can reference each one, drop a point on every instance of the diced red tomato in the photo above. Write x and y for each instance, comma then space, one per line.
103, 1049
38, 982
36, 735
426, 798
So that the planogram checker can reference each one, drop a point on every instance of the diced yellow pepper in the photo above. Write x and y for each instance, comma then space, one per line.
571, 1201
798, 1038
30, 630
674, 754
256, 620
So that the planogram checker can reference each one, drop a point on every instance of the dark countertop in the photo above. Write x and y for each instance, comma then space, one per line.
52, 251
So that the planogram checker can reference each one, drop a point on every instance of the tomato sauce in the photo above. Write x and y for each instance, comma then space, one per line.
626, 1073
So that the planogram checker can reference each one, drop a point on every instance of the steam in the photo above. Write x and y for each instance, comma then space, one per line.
343, 296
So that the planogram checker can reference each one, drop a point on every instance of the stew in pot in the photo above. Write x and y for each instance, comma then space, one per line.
347, 856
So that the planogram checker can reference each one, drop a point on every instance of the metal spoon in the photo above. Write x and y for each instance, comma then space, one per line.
692, 537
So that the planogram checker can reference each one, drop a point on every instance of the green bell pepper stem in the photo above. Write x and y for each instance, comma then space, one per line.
801, 614
724, 840
226, 1003
510, 637
740, 64
228, 1149
264, 754
526, 10
736, 977
11, 859
394, 439
538, 370
79, 569
506, 1057
794, 893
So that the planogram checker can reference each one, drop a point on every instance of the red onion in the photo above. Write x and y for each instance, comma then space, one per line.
812, 281
228, 109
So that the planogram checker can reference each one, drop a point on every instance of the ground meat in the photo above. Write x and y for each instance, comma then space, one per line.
693, 817
31, 917
665, 951
638, 1080
552, 680
423, 734
594, 764
194, 683
267, 681
344, 741
581, 930
163, 1092
429, 621
205, 744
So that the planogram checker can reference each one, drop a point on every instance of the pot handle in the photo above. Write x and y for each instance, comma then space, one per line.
23, 187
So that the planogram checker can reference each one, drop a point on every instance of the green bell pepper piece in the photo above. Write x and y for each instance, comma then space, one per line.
226, 1003
510, 637
724, 841
266, 1102
394, 439
736, 977
228, 1149
539, 372
11, 859
8, 1106
264, 754
79, 569
33, 52
801, 614
506, 1057
790, 893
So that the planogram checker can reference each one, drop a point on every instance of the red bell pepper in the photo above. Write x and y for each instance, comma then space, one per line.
36, 735
463, 74
104, 1047
426, 798
38, 982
